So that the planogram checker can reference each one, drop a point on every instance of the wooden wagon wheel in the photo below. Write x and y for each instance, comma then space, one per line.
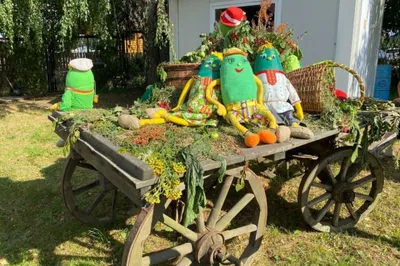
207, 242
336, 194
98, 186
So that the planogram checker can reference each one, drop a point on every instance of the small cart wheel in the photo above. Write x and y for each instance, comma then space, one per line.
336, 194
83, 199
211, 240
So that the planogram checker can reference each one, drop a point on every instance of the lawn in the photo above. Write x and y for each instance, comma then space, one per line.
36, 228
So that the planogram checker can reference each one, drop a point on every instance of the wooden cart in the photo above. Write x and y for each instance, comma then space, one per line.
332, 174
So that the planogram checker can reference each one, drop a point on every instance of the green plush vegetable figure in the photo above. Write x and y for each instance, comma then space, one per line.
192, 109
79, 87
292, 63
279, 94
242, 97
230, 18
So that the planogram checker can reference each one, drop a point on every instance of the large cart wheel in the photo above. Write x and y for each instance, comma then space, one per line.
336, 194
90, 198
211, 240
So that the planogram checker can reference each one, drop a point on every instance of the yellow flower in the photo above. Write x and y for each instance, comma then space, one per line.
179, 168
157, 165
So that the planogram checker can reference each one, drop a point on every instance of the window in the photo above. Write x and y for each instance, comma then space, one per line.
251, 7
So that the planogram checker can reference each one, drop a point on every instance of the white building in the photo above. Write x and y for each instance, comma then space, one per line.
346, 31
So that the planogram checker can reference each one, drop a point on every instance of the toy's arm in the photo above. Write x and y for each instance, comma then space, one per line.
55, 107
295, 100
221, 108
66, 101
260, 90
184, 94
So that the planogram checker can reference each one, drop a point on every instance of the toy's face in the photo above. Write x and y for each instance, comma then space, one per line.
267, 59
210, 67
237, 65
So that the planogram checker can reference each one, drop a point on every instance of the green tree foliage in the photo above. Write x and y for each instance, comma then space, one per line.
27, 22
391, 18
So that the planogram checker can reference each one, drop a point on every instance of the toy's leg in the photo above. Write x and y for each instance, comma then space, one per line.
152, 121
250, 139
172, 118
268, 136
177, 120
297, 131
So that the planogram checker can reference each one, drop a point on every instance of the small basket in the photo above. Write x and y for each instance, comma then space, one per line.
313, 81
179, 74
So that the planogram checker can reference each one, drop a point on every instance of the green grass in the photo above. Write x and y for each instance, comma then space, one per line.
37, 229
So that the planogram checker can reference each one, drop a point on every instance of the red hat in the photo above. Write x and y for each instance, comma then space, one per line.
232, 16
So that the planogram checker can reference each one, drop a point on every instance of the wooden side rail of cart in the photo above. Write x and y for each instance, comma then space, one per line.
334, 194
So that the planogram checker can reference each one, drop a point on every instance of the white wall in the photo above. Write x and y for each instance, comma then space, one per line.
335, 29
319, 19
367, 34
190, 19
344, 41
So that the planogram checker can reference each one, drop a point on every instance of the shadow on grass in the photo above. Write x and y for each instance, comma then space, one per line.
35, 225
286, 216
9, 108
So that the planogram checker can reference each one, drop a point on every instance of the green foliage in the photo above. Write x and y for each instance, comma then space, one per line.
391, 17
248, 38
164, 35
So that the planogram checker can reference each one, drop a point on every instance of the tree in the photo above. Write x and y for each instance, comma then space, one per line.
145, 16
391, 17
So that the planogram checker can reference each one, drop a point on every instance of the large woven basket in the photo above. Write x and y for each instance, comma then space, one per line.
179, 74
312, 82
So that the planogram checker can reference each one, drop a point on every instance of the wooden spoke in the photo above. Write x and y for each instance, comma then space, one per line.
362, 196
233, 259
334, 188
319, 199
227, 218
167, 254
197, 248
363, 181
114, 204
336, 213
220, 202
186, 261
201, 226
189, 234
239, 231
344, 168
77, 207
351, 210
86, 187
327, 173
324, 210
354, 170
96, 202
321, 185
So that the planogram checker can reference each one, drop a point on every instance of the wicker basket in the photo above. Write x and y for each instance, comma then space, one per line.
313, 81
179, 74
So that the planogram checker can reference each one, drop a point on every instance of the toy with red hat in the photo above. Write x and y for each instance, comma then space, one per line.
231, 18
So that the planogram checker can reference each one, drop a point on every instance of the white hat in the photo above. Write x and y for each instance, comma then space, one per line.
81, 64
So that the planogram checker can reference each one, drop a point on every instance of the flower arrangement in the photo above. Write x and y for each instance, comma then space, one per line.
249, 37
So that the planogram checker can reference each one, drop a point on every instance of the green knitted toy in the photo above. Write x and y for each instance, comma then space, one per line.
231, 18
80, 87
242, 97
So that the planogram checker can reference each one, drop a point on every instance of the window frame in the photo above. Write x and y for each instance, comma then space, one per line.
221, 4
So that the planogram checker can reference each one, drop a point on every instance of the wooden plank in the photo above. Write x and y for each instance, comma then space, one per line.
141, 175
123, 181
